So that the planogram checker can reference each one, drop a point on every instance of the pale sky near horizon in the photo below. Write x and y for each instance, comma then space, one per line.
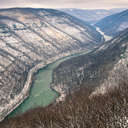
87, 4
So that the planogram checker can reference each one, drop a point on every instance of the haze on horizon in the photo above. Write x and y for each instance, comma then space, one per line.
84, 4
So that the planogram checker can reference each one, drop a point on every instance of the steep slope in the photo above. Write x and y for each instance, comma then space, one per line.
114, 24
106, 66
30, 39
92, 16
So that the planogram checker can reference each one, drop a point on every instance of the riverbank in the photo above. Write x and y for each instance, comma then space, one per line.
25, 92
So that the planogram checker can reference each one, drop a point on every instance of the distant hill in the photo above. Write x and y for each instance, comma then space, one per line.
92, 16
114, 24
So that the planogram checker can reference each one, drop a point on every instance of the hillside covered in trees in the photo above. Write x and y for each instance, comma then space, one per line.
79, 111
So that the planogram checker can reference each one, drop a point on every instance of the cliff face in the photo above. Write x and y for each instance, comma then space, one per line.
106, 66
30, 36
114, 24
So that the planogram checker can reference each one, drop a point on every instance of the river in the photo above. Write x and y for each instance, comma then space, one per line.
41, 94
106, 37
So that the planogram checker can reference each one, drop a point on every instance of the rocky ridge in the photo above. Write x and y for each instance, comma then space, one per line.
114, 24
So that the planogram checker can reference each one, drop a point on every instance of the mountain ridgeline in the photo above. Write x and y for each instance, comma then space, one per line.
91, 16
105, 66
114, 24
32, 38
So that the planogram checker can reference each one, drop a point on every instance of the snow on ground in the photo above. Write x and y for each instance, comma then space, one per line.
106, 37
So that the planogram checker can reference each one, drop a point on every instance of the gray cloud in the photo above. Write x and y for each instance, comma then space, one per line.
64, 3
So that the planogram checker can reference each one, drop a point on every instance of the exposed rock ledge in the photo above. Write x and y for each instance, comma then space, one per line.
25, 92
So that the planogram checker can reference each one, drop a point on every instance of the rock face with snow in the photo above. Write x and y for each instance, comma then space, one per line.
29, 37
114, 24
106, 66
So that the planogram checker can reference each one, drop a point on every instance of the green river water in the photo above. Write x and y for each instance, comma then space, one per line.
41, 94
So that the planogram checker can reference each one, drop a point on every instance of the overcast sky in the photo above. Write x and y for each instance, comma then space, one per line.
89, 4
